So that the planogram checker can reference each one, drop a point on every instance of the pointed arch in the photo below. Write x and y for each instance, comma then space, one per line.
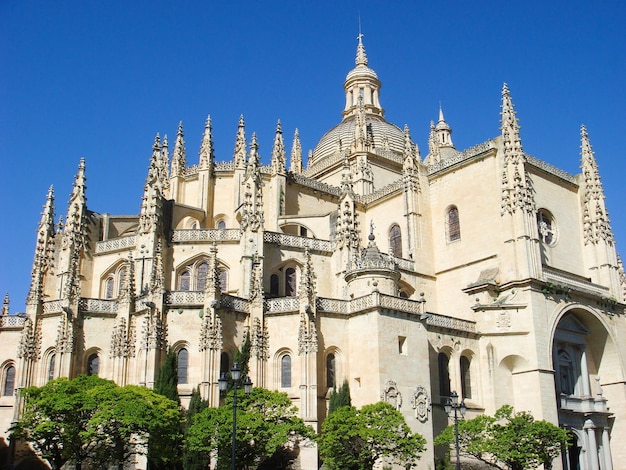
8, 379
453, 224
395, 240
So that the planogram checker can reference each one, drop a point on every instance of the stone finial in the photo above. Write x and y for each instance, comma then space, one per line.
179, 159
240, 144
296, 154
278, 163
596, 224
5, 304
517, 192
206, 149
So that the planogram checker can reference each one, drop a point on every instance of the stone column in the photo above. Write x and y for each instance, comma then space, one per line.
592, 446
606, 450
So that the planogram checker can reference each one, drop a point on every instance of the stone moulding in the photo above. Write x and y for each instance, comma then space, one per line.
207, 235
12, 321
295, 241
461, 157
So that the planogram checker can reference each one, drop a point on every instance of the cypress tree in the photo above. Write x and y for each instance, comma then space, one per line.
166, 455
166, 382
339, 398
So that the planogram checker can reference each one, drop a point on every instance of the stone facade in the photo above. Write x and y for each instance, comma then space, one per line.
485, 271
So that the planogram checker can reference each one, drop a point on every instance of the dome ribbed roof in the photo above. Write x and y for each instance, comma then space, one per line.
384, 134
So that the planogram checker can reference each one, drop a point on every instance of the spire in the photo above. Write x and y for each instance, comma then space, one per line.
179, 159
206, 149
278, 163
434, 155
361, 57
75, 228
296, 154
516, 190
596, 224
74, 235
154, 189
44, 248
240, 144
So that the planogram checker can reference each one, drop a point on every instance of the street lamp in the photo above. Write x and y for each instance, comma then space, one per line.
452, 403
235, 374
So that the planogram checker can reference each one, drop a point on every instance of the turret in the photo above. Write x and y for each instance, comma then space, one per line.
43, 259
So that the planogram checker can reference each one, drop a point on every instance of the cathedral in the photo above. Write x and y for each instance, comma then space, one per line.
483, 271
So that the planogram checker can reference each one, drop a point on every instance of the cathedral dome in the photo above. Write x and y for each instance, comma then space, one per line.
385, 137
362, 88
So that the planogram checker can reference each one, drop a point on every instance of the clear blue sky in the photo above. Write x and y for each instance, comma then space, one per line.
100, 79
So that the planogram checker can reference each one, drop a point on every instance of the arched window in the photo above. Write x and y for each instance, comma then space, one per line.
285, 371
224, 363
108, 288
395, 241
221, 225
121, 280
184, 280
274, 286
330, 370
93, 364
9, 381
183, 363
201, 276
444, 375
466, 378
51, 367
290, 282
453, 226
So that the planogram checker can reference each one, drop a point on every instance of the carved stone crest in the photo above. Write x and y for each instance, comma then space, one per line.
421, 404
391, 394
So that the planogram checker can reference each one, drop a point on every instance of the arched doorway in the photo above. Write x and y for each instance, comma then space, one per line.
584, 358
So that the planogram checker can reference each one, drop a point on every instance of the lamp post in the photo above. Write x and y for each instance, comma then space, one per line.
235, 374
452, 403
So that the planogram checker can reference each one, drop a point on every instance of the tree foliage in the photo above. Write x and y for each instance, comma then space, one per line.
193, 459
267, 422
356, 439
339, 398
89, 419
508, 440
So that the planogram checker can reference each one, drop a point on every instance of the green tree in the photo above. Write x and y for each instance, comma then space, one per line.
126, 416
56, 419
166, 382
356, 439
89, 419
266, 422
194, 460
508, 440
339, 398
166, 455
